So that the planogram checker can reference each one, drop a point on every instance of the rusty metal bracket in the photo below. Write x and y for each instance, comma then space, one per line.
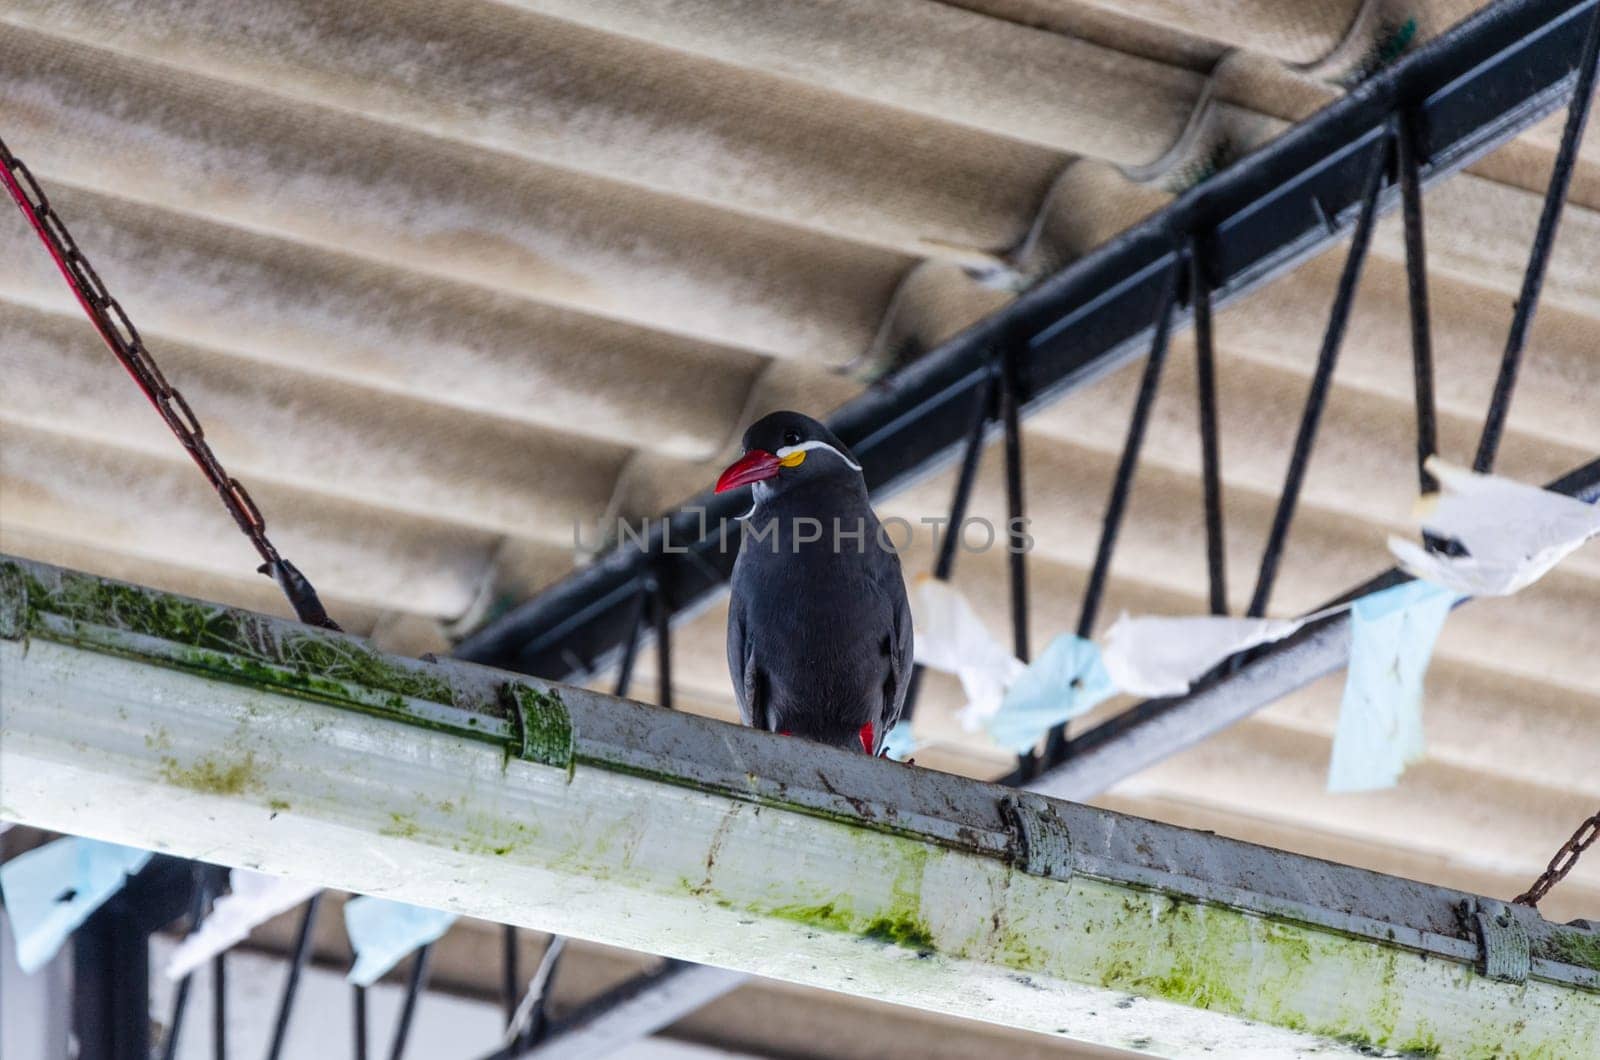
1041, 845
1504, 953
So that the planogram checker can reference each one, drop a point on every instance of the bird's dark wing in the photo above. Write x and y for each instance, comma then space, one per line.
748, 687
901, 649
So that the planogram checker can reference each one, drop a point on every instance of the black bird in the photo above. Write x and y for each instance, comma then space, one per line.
819, 632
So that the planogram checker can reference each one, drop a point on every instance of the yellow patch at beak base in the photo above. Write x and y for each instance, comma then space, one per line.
794, 459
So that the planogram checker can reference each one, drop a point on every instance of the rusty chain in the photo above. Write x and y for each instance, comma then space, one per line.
118, 332
1564, 861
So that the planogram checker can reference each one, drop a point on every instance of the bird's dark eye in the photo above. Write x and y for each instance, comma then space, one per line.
791, 437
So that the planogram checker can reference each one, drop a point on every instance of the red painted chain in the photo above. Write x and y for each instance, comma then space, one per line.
1563, 862
111, 321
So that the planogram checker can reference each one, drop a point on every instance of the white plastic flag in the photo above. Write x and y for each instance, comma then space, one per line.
1513, 533
1154, 655
900, 743
383, 932
950, 637
1392, 634
51, 890
253, 899
1066, 680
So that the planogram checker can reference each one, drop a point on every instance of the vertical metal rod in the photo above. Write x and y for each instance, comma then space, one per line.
110, 972
1544, 238
358, 1008
1210, 449
219, 1006
1122, 484
1011, 418
1405, 141
661, 612
630, 652
302, 953
945, 562
511, 977
1332, 339
414, 987
180, 1000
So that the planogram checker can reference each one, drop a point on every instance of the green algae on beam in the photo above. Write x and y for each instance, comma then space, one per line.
898, 927
82, 598
1572, 946
901, 924
304, 661
902, 930
545, 726
263, 653
212, 775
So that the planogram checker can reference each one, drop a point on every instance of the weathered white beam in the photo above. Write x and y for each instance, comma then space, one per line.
149, 719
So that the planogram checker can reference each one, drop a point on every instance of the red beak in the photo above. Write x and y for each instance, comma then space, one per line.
754, 466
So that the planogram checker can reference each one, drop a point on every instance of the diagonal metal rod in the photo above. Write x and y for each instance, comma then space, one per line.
538, 1021
531, 1021
630, 653
1128, 462
944, 563
180, 1000
1405, 139
1122, 482
1016, 513
408, 1009
971, 457
1317, 398
1544, 238
1210, 447
297, 964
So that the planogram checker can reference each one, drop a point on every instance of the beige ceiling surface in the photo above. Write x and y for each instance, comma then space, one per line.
444, 279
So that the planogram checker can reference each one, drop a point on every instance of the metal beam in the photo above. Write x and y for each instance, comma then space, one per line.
150, 719
1123, 745
1469, 91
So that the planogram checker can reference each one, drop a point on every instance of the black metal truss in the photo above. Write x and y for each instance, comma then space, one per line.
1463, 95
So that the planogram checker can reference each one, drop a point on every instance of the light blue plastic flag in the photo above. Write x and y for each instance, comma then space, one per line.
383, 932
1392, 633
899, 742
1066, 680
52, 889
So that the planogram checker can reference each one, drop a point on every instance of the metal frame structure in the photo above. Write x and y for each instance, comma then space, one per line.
914, 886
1419, 121
1416, 122
1464, 94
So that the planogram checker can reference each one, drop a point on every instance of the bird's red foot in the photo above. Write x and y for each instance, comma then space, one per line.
866, 735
